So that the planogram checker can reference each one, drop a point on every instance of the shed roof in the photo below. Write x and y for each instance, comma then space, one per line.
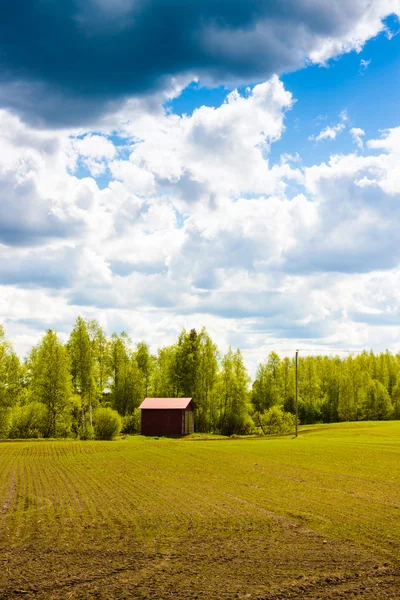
179, 403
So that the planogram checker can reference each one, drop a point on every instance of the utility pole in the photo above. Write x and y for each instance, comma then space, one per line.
297, 391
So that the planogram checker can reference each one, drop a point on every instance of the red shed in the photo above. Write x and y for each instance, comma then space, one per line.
167, 416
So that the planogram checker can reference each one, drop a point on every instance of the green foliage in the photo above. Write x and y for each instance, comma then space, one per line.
93, 370
128, 382
100, 355
145, 362
186, 364
206, 379
131, 423
275, 420
82, 364
51, 381
87, 431
268, 385
377, 404
107, 423
5, 422
163, 377
232, 393
80, 351
11, 376
29, 421
396, 400
346, 404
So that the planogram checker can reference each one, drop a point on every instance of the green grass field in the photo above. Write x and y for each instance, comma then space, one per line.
313, 517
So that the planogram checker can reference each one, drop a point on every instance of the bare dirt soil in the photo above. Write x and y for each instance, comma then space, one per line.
316, 518
284, 561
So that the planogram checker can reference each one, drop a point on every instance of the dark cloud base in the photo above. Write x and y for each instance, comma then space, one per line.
64, 63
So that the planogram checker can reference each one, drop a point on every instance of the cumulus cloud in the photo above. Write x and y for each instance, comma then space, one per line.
93, 151
356, 200
196, 227
39, 200
109, 51
214, 151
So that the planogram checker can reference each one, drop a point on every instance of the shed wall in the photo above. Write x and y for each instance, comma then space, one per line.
162, 422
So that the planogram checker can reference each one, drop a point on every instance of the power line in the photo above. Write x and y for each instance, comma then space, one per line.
332, 349
321, 350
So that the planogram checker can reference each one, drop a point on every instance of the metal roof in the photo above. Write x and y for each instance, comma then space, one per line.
179, 403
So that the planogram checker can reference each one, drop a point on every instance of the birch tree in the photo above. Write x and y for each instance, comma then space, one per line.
82, 369
51, 381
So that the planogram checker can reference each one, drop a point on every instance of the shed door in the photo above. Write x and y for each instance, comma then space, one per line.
186, 430
189, 422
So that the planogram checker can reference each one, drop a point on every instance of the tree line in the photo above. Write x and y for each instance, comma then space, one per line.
75, 389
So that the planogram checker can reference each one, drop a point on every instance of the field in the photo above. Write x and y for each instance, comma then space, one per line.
314, 517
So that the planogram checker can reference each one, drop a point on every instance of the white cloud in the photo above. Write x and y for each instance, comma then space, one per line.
214, 42
329, 133
216, 150
38, 199
196, 228
369, 24
364, 64
357, 135
136, 179
94, 151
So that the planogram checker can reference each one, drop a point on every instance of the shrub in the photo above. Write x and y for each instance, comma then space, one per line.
87, 432
28, 421
131, 423
377, 404
246, 426
5, 422
275, 420
107, 423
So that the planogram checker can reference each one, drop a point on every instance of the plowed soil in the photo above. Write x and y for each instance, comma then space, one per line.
312, 518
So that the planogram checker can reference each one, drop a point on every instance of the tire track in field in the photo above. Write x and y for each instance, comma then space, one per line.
5, 508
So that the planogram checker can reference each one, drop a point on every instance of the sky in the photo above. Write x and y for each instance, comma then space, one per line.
230, 164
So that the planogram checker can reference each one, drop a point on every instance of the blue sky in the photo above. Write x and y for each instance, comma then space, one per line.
369, 94
234, 165
322, 92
